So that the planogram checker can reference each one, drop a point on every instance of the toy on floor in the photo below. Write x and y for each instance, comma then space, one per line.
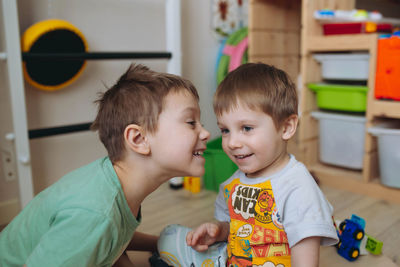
192, 184
350, 234
352, 241
373, 245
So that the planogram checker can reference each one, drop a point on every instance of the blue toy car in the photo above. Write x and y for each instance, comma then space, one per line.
350, 233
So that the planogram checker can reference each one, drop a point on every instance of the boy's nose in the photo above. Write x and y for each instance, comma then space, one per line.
233, 143
204, 134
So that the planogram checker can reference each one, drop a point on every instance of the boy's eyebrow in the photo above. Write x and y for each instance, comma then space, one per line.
190, 110
245, 121
220, 125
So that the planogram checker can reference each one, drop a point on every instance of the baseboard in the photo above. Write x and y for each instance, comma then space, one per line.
8, 210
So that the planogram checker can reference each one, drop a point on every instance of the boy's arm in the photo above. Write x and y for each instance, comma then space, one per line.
139, 242
306, 252
207, 234
143, 242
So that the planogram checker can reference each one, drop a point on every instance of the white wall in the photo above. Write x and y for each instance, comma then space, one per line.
108, 25
200, 47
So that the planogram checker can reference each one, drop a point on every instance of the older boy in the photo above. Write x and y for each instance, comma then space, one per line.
149, 123
271, 212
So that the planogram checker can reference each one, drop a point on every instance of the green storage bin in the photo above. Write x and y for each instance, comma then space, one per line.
218, 167
340, 97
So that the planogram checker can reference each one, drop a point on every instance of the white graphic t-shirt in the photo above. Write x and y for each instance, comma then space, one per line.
269, 215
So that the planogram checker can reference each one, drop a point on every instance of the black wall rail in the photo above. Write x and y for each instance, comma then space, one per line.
28, 56
44, 132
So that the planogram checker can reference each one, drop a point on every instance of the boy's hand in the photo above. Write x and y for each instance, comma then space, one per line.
207, 234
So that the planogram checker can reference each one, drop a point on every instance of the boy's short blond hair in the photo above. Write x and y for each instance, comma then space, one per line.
259, 87
136, 98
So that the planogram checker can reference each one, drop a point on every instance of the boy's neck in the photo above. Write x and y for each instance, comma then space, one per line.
137, 182
279, 164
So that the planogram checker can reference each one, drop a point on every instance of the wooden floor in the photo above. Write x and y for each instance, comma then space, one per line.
166, 206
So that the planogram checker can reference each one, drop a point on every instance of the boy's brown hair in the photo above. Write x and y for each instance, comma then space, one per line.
136, 98
259, 87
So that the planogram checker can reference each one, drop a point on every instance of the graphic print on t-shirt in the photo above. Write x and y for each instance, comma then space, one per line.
257, 237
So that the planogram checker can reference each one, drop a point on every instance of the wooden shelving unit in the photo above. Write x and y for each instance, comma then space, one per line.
305, 145
365, 181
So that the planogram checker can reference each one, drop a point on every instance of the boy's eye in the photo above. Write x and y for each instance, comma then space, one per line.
224, 131
192, 123
247, 128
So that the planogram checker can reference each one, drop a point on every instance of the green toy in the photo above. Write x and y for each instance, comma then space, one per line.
374, 246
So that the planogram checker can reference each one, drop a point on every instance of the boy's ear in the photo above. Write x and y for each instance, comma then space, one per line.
289, 127
135, 139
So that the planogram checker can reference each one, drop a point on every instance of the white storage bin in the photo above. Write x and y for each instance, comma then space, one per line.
341, 139
388, 135
344, 66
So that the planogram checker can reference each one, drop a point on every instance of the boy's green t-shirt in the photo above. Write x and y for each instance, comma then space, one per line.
81, 220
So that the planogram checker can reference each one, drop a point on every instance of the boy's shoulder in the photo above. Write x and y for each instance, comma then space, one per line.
296, 177
93, 183
94, 166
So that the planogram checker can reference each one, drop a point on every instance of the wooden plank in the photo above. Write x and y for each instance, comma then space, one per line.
264, 15
382, 108
370, 140
352, 181
309, 151
341, 42
371, 77
294, 148
310, 71
370, 166
310, 26
270, 14
272, 43
308, 127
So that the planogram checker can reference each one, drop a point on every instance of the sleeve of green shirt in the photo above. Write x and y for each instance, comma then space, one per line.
76, 237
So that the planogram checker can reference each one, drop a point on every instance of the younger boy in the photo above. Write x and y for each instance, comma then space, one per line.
149, 123
271, 212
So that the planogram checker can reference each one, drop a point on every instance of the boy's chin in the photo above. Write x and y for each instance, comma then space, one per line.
197, 173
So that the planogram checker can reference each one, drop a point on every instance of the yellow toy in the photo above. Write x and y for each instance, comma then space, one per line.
192, 184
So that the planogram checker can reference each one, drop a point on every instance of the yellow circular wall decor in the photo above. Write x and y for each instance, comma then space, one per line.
53, 36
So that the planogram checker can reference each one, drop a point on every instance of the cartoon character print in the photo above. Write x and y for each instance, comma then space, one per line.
266, 201
257, 237
265, 204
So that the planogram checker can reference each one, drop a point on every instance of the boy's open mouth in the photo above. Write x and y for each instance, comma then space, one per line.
243, 156
198, 153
